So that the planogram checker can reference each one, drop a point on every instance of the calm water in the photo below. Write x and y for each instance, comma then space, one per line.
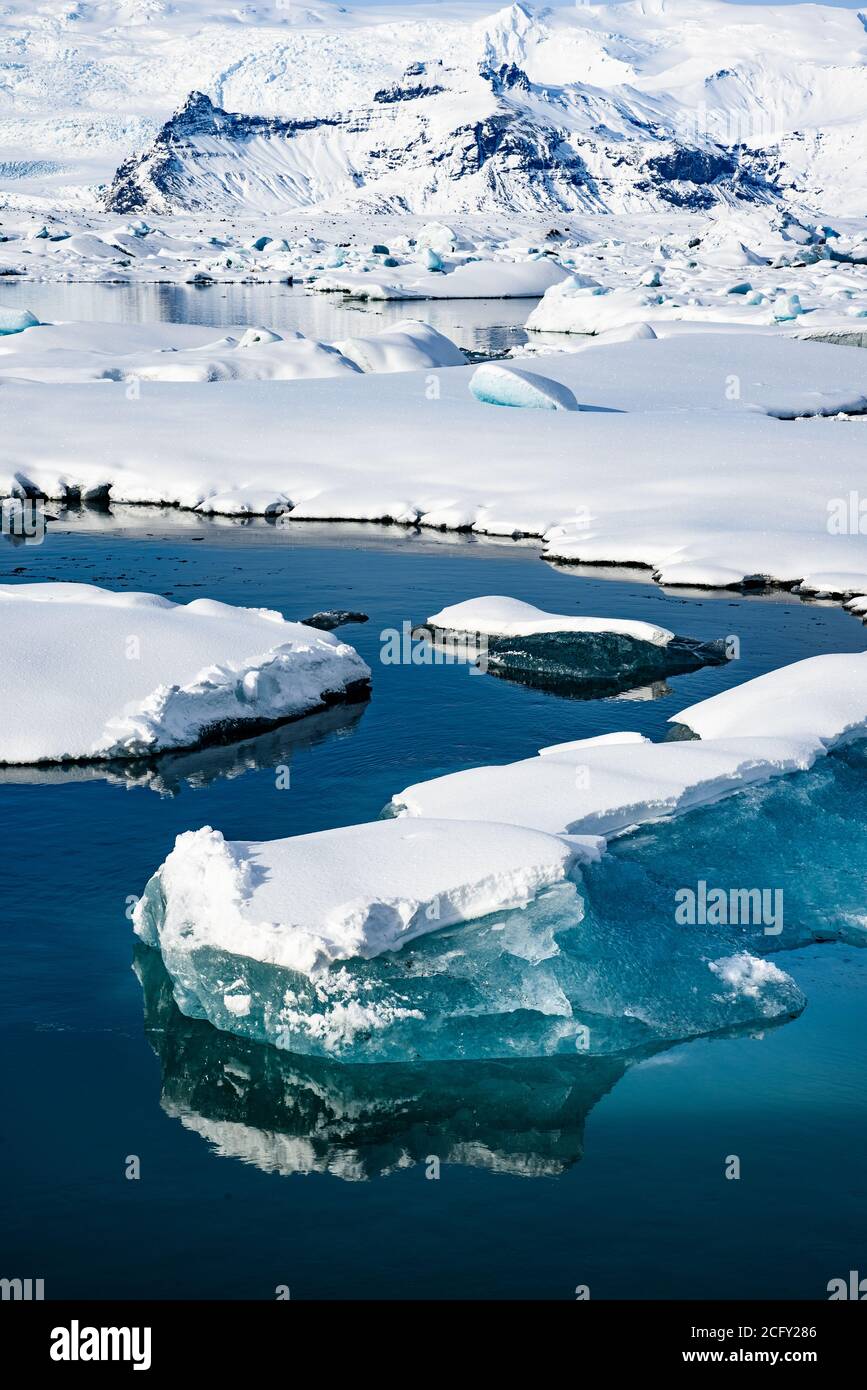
259, 1170
479, 325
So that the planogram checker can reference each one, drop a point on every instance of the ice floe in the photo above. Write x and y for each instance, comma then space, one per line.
581, 657
94, 674
105, 352
473, 922
358, 891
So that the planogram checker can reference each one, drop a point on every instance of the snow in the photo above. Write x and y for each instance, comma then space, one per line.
822, 697
90, 673
184, 353
498, 616
304, 902
604, 789
500, 279
673, 420
615, 91
777, 723
495, 385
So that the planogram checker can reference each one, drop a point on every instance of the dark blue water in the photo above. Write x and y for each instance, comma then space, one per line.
260, 1170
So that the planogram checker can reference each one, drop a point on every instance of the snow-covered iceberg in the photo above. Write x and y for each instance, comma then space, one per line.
261, 941
93, 674
305, 902
778, 723
566, 653
483, 919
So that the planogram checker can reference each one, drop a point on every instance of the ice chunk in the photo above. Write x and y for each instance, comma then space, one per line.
331, 618
534, 981
126, 675
304, 902
16, 320
408, 346
496, 385
570, 655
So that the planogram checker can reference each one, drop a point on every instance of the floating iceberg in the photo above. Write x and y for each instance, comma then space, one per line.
496, 385
16, 320
89, 673
571, 655
305, 902
518, 982
484, 919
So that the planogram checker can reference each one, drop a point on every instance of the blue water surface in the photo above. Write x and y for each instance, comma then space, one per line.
259, 1169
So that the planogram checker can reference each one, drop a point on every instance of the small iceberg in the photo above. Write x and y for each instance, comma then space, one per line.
16, 320
581, 657
93, 674
510, 386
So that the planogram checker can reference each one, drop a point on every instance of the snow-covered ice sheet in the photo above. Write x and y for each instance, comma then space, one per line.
674, 462
93, 674
778, 723
592, 788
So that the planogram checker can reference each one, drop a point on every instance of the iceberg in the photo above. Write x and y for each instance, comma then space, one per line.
570, 655
521, 981
484, 918
510, 386
16, 320
305, 902
94, 674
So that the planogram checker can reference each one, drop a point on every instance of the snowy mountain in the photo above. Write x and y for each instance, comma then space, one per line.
151, 106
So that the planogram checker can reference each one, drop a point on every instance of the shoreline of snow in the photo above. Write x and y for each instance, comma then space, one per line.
673, 418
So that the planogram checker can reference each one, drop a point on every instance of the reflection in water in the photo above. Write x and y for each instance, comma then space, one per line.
167, 773
288, 1114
